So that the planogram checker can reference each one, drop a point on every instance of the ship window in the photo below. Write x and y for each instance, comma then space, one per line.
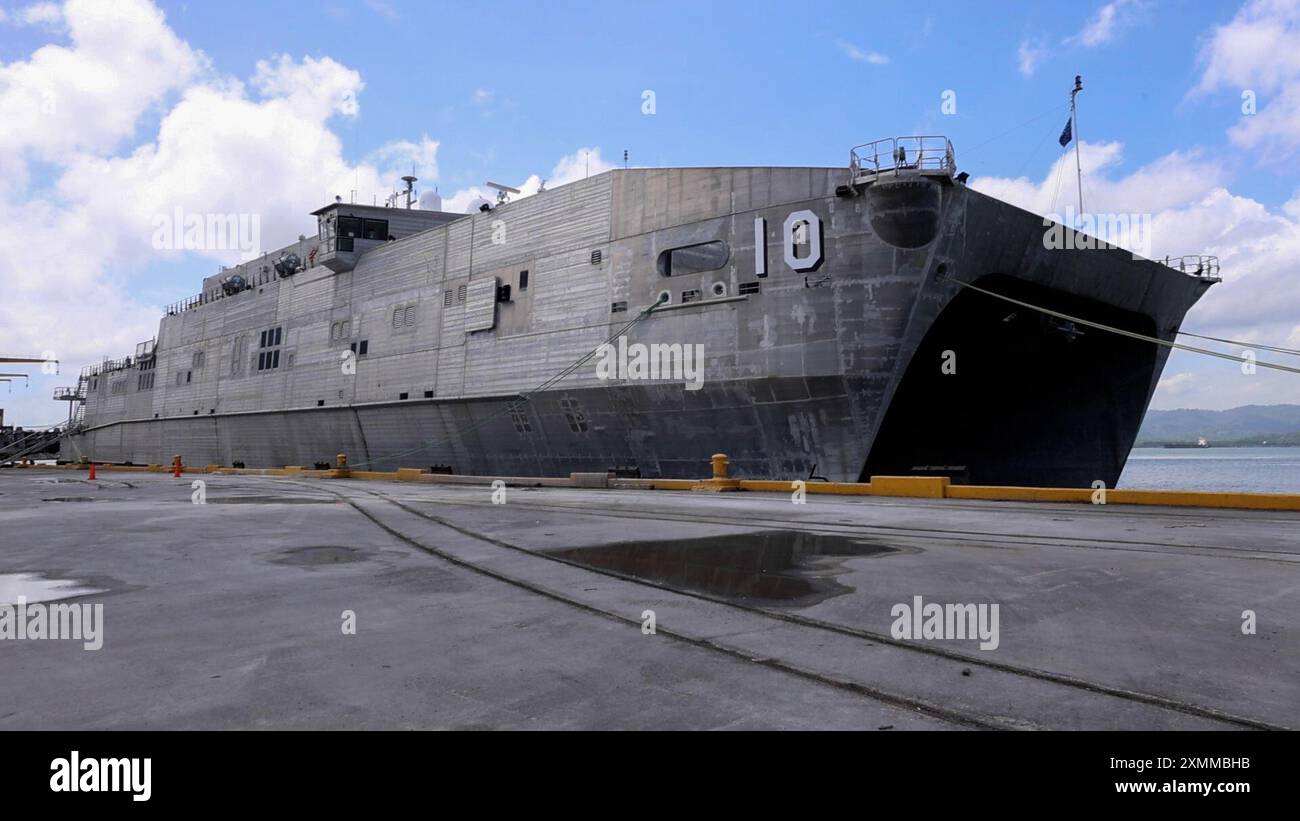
197, 361
694, 259
403, 396
523, 280
268, 360
349, 226
270, 338
320, 403
188, 374
144, 382
428, 394
360, 348
374, 229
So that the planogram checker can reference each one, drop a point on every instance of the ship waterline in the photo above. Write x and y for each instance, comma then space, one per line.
828, 305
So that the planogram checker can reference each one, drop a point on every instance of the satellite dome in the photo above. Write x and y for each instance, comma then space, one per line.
431, 201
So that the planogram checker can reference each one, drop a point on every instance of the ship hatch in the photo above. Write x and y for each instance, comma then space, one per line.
1032, 400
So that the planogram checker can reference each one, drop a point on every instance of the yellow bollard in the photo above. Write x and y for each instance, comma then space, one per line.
720, 462
719, 482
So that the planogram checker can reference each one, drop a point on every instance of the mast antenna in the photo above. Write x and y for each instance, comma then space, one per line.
1074, 117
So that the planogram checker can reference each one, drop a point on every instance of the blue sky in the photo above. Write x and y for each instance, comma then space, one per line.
739, 83
508, 90
736, 83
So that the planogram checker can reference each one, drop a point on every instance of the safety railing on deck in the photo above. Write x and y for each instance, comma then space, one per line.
929, 154
1201, 266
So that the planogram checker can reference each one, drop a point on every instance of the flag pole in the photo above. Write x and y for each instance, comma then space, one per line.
1074, 118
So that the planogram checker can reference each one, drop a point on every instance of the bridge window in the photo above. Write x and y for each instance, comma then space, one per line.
349, 226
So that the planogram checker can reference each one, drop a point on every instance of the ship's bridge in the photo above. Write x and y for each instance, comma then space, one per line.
348, 230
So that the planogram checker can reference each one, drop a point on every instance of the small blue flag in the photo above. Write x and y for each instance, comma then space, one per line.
1066, 134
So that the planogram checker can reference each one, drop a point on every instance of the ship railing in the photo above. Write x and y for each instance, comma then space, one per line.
194, 301
69, 394
900, 156
1201, 266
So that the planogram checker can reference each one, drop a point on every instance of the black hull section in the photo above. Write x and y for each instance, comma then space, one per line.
1021, 398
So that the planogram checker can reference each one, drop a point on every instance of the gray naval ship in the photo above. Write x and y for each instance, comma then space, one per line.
879, 319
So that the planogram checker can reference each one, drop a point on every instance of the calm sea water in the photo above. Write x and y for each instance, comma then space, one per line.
1254, 470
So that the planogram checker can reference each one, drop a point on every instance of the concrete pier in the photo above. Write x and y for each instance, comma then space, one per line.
227, 606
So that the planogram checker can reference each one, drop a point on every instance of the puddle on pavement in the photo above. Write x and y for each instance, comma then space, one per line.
270, 500
776, 566
318, 555
37, 588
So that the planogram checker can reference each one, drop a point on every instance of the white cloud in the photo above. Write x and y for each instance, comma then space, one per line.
1107, 23
1029, 56
584, 162
88, 95
1259, 51
47, 14
263, 146
482, 96
383, 9
858, 55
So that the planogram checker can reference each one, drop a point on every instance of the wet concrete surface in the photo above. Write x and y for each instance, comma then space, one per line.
785, 566
767, 614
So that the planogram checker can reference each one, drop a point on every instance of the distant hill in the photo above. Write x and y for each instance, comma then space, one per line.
1248, 424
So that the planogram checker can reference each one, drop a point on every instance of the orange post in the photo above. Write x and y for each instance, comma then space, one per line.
176, 466
92, 471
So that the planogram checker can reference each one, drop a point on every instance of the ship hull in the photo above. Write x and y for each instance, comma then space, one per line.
881, 358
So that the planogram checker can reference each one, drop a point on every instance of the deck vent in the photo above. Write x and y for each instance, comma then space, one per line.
447, 297
747, 288
618, 307
692, 295
595, 257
